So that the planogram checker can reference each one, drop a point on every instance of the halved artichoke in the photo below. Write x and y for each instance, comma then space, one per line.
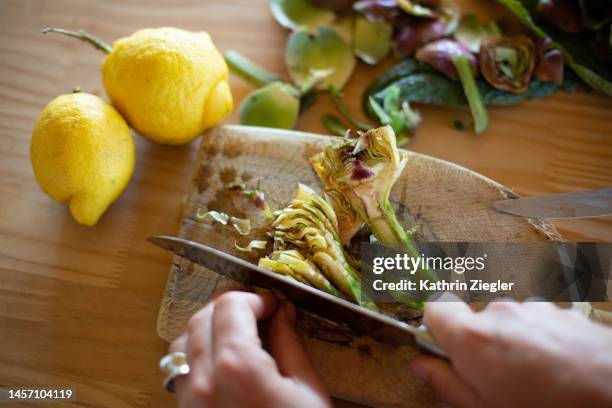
310, 225
358, 174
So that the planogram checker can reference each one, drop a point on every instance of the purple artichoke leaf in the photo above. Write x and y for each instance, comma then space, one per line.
507, 63
439, 55
410, 37
549, 62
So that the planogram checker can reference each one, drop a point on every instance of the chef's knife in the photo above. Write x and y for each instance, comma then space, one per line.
362, 320
579, 204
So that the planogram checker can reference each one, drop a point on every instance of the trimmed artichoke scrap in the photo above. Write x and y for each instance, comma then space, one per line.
357, 176
309, 250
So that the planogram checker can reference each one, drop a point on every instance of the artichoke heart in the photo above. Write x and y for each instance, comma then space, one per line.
309, 249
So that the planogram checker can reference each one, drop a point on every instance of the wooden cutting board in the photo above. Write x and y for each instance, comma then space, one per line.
444, 201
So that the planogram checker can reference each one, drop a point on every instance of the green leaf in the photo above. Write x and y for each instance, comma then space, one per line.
575, 49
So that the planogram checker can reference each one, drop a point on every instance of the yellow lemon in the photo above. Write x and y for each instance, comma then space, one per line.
169, 84
82, 153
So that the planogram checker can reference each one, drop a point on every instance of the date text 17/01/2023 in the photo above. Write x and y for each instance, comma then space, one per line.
474, 285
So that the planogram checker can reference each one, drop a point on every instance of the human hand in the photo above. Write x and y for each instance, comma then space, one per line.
518, 355
229, 367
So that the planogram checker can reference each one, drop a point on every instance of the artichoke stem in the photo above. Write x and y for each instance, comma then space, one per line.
248, 70
341, 107
472, 94
391, 230
83, 36
388, 230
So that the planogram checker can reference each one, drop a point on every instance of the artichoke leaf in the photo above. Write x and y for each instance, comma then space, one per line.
300, 15
310, 224
371, 40
471, 32
324, 50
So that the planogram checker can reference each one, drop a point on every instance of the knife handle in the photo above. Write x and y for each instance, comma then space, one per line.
426, 343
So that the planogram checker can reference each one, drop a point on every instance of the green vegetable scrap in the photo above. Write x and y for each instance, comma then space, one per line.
276, 103
324, 50
471, 32
399, 116
300, 14
479, 112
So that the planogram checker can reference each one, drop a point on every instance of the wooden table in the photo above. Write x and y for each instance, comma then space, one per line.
78, 305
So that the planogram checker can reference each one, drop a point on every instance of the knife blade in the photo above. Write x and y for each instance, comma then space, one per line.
578, 204
365, 321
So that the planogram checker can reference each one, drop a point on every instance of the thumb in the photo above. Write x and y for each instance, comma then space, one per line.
445, 381
287, 350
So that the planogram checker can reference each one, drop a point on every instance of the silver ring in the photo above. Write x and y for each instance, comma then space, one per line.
173, 365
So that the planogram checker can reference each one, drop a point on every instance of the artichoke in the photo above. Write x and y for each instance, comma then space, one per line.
358, 175
310, 225
507, 63
297, 265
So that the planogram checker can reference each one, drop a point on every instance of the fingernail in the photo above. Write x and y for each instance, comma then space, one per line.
419, 371
289, 310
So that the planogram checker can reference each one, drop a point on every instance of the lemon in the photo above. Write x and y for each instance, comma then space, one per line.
82, 153
169, 84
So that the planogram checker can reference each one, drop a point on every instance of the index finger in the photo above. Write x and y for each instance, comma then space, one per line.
235, 318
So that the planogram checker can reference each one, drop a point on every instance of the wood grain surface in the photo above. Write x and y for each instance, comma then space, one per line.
78, 306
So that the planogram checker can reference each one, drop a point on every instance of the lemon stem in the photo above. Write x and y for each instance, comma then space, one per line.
248, 70
84, 36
